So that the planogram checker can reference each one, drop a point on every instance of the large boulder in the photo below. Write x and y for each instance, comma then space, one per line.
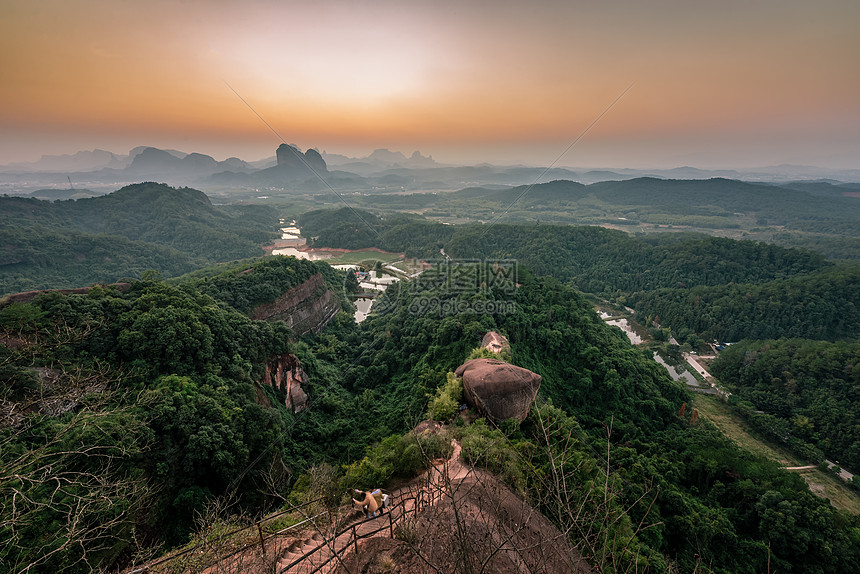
497, 389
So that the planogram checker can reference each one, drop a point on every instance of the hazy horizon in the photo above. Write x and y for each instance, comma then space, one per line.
715, 86
359, 154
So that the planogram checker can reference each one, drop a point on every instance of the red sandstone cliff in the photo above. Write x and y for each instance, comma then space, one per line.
307, 307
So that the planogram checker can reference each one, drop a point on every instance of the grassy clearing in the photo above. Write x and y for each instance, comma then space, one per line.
820, 483
740, 432
826, 485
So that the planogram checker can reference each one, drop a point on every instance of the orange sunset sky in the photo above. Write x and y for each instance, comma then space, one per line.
734, 83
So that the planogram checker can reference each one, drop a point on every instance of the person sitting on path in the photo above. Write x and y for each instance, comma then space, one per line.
381, 500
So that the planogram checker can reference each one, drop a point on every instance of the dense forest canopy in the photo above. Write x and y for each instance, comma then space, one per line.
596, 259
245, 284
822, 305
184, 369
172, 380
718, 288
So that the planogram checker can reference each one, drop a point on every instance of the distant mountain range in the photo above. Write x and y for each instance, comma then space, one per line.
144, 157
291, 169
83, 161
380, 159
156, 162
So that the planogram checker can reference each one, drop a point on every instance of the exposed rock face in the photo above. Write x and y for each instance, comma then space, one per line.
497, 389
315, 160
307, 307
496, 343
285, 373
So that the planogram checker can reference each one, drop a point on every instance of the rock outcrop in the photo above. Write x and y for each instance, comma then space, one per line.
496, 343
290, 157
497, 389
285, 373
307, 307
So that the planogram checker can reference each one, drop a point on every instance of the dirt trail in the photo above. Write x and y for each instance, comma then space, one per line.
421, 491
282, 551
452, 511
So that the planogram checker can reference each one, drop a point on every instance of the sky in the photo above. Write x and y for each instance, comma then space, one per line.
603, 83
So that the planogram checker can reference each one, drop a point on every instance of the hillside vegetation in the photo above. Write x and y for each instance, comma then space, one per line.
716, 288
822, 305
72, 243
172, 377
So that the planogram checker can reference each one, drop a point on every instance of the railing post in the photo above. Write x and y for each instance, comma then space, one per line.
354, 540
390, 525
262, 542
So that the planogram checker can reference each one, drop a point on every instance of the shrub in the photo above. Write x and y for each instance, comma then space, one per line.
407, 530
445, 403
397, 455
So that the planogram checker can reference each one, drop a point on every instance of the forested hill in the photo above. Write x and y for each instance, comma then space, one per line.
246, 284
599, 260
817, 215
717, 288
150, 404
143, 226
146, 403
715, 507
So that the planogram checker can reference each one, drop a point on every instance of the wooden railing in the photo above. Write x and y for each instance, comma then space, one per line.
257, 525
415, 501
351, 541
420, 500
